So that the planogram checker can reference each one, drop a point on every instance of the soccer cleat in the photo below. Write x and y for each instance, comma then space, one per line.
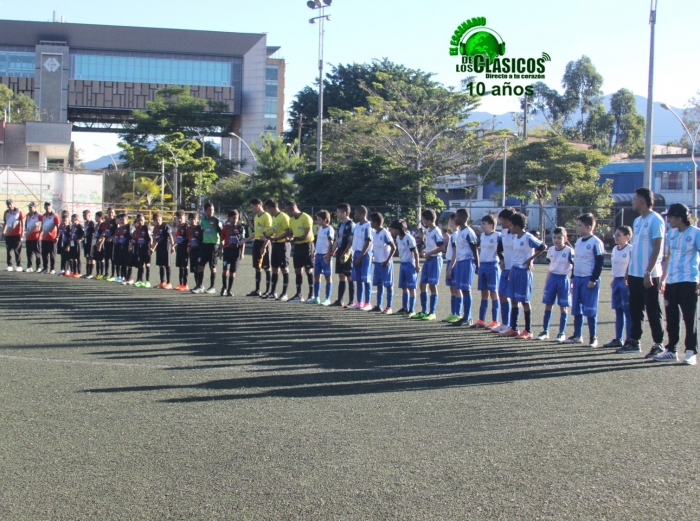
223, 292
366, 306
561, 337
76, 275
544, 335
666, 356
271, 296
228, 293
130, 282
167, 286
448, 317
418, 315
19, 268
197, 290
89, 277
59, 272
629, 348
613, 344
296, 298
325, 302
453, 319
401, 312
493, 324
388, 311
337, 304
138, 284
29, 270
429, 316
593, 342
124, 282
310, 296
9, 268
159, 286
690, 358
479, 324
525, 335
113, 279
52, 272
511, 333
99, 277
211, 290
574, 340
503, 329
265, 295
255, 293
314, 300
184, 287
657, 349
410, 314
357, 305
376, 309
283, 298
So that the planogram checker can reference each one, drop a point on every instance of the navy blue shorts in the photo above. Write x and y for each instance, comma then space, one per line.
489, 273
521, 284
585, 300
557, 291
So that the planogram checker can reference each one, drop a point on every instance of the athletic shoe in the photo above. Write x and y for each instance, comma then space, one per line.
296, 298
9, 268
184, 287
197, 290
112, 279
448, 317
657, 349
59, 272
493, 324
410, 314
574, 340
313, 300
429, 316
310, 296
453, 319
525, 335
265, 295
666, 356
19, 268
159, 286
356, 306
130, 282
138, 284
376, 309
479, 324
99, 277
118, 280
255, 293
503, 329
283, 298
418, 315
325, 302
211, 290
401, 312
270, 296
690, 358
388, 311
223, 292
167, 286
366, 306
147, 284
76, 275
89, 277
83, 276
337, 304
42, 271
629, 348
593, 342
29, 270
228, 293
511, 333
52, 272
561, 338
124, 282
544, 335
613, 344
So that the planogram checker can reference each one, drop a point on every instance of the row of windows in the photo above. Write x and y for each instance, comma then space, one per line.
17, 64
151, 70
675, 180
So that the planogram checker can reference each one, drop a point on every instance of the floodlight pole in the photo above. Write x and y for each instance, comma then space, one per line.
648, 145
321, 6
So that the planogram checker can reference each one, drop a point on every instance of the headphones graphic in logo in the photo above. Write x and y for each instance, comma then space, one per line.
482, 41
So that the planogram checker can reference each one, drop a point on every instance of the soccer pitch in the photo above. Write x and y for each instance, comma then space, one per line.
125, 403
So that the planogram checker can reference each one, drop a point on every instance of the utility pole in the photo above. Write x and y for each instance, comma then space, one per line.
301, 120
505, 163
648, 143
525, 121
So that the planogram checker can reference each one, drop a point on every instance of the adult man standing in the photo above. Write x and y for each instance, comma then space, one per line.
342, 250
49, 238
12, 230
643, 274
277, 234
32, 227
261, 247
302, 236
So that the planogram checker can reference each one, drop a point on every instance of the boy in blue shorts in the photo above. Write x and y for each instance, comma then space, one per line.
383, 248
410, 267
589, 254
526, 248
449, 236
489, 272
464, 264
432, 266
505, 255
323, 260
557, 286
620, 257
362, 259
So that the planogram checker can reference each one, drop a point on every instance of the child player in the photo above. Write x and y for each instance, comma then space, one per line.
77, 234
449, 236
557, 286
383, 249
489, 272
181, 250
410, 267
232, 237
620, 258
120, 241
64, 244
323, 261
98, 253
194, 242
110, 230
432, 267
465, 262
362, 259
141, 251
342, 250
526, 247
89, 229
589, 254
505, 255
164, 246
209, 250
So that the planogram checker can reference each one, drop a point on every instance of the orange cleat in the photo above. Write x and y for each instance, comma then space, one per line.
525, 335
511, 333
493, 325
479, 324
167, 286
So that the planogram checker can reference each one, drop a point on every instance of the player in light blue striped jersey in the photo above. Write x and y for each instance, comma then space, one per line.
432, 266
557, 286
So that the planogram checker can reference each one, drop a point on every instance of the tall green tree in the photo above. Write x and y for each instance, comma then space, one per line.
628, 124
20, 108
691, 118
274, 170
582, 89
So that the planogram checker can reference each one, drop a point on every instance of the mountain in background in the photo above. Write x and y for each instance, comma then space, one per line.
666, 126
102, 163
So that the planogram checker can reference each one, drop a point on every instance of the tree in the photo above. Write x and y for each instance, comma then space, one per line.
628, 124
230, 192
274, 171
586, 195
691, 118
21, 107
147, 194
582, 89
550, 104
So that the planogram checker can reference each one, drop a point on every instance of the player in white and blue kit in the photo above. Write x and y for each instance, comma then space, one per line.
432, 266
489, 272
323, 260
679, 284
362, 259
409, 269
620, 258
383, 249
450, 236
557, 287
589, 254
464, 263
505, 255
526, 248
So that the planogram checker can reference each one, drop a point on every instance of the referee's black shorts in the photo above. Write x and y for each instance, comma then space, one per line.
261, 259
280, 255
304, 256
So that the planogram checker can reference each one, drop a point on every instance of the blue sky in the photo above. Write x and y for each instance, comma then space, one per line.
613, 33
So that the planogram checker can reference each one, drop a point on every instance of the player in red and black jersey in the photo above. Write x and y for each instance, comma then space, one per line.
194, 243
141, 251
232, 237
181, 256
121, 240
111, 225
77, 235
98, 253
164, 246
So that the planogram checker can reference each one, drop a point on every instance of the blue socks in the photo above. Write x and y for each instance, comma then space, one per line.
563, 319
404, 300
433, 304
467, 303
411, 304
483, 308
623, 320
368, 292
360, 292
317, 289
390, 297
424, 301
578, 326
592, 326
547, 319
380, 295
505, 312
495, 309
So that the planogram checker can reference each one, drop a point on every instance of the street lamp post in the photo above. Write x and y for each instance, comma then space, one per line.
233, 134
321, 5
693, 141
176, 174
116, 167
648, 175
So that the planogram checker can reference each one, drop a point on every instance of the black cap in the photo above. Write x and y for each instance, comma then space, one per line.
8, 201
47, 203
678, 210
32, 204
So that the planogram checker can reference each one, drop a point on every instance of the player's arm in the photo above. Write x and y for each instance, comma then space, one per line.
664, 275
358, 262
416, 258
499, 254
453, 260
655, 252
437, 251
539, 250
475, 253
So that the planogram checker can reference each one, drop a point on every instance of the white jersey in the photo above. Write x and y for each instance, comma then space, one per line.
360, 235
508, 243
433, 239
381, 244
450, 246
465, 239
32, 222
586, 251
489, 246
523, 248
620, 260
324, 238
560, 260
12, 219
406, 245
646, 229
683, 248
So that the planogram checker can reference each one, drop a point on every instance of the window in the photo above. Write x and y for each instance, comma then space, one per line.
271, 107
17, 64
271, 73
672, 180
271, 89
690, 180
271, 124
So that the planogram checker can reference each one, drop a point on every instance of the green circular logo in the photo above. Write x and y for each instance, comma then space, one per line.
482, 42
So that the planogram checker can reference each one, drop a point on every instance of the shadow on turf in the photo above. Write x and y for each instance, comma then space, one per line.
281, 352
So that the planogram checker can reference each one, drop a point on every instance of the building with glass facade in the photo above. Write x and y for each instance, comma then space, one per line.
94, 76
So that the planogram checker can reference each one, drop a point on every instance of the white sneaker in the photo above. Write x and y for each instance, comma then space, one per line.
504, 328
211, 290
197, 289
543, 336
593, 342
59, 272
666, 356
29, 270
690, 358
9, 268
52, 272
561, 337
573, 340
19, 268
